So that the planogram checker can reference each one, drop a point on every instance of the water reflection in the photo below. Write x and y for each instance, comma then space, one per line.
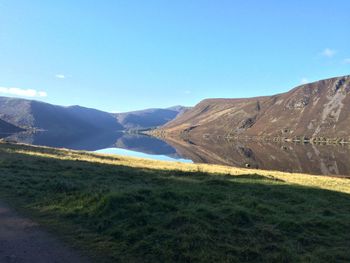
76, 141
139, 154
312, 159
146, 144
289, 157
133, 144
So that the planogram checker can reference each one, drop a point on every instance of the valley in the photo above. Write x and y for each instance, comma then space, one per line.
246, 180
174, 131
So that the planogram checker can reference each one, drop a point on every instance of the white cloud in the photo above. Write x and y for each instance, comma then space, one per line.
187, 92
22, 92
347, 61
328, 52
60, 76
304, 81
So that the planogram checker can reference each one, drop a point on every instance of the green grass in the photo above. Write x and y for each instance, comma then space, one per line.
119, 209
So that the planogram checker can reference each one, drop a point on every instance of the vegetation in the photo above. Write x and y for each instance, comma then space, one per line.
123, 209
300, 115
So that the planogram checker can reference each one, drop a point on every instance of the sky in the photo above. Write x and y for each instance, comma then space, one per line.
122, 55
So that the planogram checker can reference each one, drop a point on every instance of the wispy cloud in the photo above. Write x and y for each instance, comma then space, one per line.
347, 61
328, 52
304, 81
187, 92
22, 92
60, 76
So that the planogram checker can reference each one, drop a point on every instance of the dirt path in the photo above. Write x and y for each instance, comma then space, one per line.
23, 241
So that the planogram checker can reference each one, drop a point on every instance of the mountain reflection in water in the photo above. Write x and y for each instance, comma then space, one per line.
289, 157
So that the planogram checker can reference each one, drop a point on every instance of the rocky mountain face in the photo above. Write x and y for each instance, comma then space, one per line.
317, 111
149, 118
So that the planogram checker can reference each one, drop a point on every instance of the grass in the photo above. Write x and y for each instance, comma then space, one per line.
122, 209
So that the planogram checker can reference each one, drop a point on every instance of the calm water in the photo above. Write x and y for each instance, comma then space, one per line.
312, 159
142, 155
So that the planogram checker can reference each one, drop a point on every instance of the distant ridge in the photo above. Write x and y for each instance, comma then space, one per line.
314, 111
29, 114
149, 118
21, 114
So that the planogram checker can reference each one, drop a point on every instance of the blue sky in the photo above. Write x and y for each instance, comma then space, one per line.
125, 54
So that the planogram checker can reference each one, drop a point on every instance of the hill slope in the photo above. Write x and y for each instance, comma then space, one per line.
149, 118
122, 209
6, 127
30, 114
319, 109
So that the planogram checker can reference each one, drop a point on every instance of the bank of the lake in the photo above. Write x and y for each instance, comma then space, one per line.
128, 209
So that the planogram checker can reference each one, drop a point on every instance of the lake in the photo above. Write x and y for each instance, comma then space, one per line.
288, 157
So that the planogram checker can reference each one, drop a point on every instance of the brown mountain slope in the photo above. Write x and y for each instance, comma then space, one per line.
319, 109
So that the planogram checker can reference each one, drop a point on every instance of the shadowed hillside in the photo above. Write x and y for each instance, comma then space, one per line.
30, 114
6, 127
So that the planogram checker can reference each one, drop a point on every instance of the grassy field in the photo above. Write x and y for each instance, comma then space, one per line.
121, 209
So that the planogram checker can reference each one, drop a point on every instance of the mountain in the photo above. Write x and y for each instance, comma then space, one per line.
317, 110
35, 115
6, 127
29, 114
149, 118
